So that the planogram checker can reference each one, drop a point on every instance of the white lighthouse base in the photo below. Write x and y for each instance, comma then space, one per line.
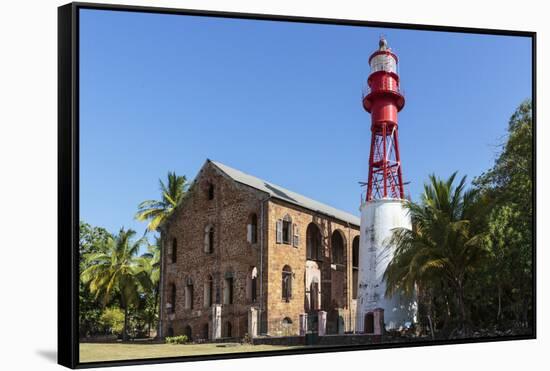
378, 219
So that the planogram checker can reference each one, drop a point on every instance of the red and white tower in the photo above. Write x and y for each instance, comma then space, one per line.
383, 209
383, 101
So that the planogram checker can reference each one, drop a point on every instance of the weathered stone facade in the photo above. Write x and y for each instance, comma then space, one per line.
237, 246
335, 279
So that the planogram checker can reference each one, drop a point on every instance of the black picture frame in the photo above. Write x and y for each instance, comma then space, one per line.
68, 176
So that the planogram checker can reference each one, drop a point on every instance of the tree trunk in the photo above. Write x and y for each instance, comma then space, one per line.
461, 306
431, 327
154, 311
125, 331
499, 312
525, 310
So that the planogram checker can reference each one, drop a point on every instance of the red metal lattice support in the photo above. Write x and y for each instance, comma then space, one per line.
383, 101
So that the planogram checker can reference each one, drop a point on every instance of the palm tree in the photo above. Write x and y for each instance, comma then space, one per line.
151, 263
444, 245
117, 271
171, 196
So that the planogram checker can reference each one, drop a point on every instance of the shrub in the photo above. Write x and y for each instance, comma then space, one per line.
181, 339
247, 339
113, 319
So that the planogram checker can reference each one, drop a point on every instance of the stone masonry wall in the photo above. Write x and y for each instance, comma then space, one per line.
234, 256
228, 212
334, 278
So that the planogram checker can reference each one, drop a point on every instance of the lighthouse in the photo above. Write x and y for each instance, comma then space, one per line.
383, 207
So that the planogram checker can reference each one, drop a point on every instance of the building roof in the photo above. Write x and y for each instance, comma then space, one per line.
281, 193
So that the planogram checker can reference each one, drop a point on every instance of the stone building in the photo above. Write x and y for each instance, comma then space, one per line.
244, 256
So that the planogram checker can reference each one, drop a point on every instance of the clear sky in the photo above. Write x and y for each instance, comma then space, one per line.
281, 101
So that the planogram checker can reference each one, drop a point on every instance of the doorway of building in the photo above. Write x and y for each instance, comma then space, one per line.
205, 331
189, 332
369, 323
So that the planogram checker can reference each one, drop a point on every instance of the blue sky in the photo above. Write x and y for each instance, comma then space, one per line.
281, 101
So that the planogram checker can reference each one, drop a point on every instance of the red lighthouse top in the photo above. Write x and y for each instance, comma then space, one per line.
383, 100
383, 81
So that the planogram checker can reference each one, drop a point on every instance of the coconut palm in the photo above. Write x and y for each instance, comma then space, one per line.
172, 194
118, 272
444, 245
151, 263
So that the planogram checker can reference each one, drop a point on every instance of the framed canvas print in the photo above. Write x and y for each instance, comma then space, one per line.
243, 185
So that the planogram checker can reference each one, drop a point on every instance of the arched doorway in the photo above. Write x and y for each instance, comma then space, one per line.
188, 332
337, 244
314, 294
287, 326
314, 246
228, 329
252, 285
286, 284
369, 323
338, 279
205, 331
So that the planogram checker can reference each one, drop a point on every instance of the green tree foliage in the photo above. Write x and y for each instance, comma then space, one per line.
444, 247
91, 240
151, 262
172, 194
112, 320
470, 251
117, 271
509, 185
113, 273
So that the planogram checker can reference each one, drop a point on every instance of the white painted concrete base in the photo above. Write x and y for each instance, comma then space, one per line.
322, 323
253, 322
216, 321
303, 324
378, 219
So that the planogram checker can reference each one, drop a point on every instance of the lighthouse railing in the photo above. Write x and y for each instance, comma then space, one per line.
367, 90
389, 87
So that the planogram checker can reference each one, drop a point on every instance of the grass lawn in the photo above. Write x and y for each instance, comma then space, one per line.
94, 352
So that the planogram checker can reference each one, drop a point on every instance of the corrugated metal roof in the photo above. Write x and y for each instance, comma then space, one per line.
286, 195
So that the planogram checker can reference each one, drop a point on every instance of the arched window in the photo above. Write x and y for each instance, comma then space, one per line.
228, 288
314, 244
287, 283
172, 304
208, 291
174, 252
252, 229
189, 293
337, 244
251, 285
355, 267
210, 191
209, 239
314, 294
